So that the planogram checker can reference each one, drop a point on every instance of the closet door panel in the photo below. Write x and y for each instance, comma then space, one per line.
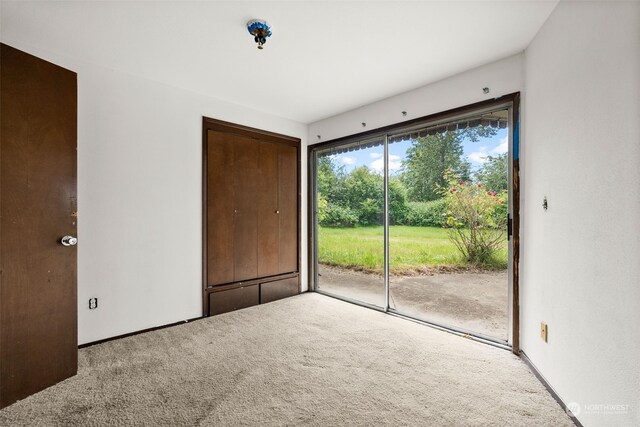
234, 299
288, 207
246, 192
268, 213
220, 208
273, 291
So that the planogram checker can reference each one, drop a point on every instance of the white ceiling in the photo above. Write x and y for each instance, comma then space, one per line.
324, 58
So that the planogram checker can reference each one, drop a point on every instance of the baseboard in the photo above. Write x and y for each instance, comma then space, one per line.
130, 334
550, 389
168, 325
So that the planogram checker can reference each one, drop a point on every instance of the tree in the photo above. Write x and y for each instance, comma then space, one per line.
330, 178
323, 206
397, 201
431, 156
326, 175
363, 193
493, 175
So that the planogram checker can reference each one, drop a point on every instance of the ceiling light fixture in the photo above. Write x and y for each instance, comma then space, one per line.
260, 30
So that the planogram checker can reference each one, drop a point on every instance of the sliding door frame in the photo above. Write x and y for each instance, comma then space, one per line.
511, 102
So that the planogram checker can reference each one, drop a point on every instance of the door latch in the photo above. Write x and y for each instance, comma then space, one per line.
69, 241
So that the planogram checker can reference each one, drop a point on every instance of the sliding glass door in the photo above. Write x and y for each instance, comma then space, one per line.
448, 245
414, 221
349, 200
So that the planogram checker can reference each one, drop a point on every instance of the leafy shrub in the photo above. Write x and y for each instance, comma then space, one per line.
322, 208
501, 209
362, 192
475, 219
370, 212
359, 185
397, 202
426, 214
338, 216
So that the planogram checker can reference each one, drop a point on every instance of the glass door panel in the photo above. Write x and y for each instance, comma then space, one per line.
448, 205
349, 221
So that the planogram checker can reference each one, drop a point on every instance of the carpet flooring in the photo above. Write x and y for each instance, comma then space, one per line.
307, 360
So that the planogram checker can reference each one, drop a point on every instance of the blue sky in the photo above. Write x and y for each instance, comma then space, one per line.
475, 153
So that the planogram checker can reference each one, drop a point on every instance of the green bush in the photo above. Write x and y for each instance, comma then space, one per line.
426, 214
501, 209
338, 216
322, 208
475, 219
370, 212
397, 202
359, 185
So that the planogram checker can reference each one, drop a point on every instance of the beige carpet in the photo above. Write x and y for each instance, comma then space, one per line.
306, 360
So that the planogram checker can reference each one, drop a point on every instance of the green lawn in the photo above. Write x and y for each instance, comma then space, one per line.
410, 248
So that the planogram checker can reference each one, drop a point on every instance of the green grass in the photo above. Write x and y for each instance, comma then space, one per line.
410, 249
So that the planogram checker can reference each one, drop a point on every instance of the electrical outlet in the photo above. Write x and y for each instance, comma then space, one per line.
93, 303
544, 329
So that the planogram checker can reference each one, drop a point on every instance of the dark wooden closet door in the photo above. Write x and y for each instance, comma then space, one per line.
251, 216
288, 206
220, 208
246, 175
38, 303
268, 213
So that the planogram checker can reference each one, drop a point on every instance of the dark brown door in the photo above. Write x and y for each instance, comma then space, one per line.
251, 211
234, 198
38, 307
220, 208
268, 213
245, 240
288, 207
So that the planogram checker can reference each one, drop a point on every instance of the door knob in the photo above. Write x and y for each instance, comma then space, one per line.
69, 241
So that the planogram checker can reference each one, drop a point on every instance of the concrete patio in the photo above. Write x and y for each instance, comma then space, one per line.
475, 301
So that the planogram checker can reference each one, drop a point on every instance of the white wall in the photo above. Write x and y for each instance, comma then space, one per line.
581, 258
501, 77
139, 196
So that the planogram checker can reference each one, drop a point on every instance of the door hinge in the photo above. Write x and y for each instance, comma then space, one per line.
509, 226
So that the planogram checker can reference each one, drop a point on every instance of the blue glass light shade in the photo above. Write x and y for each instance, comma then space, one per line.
260, 30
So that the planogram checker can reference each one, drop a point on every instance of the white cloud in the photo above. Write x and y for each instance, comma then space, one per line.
479, 157
394, 164
502, 148
346, 160
377, 165
375, 155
